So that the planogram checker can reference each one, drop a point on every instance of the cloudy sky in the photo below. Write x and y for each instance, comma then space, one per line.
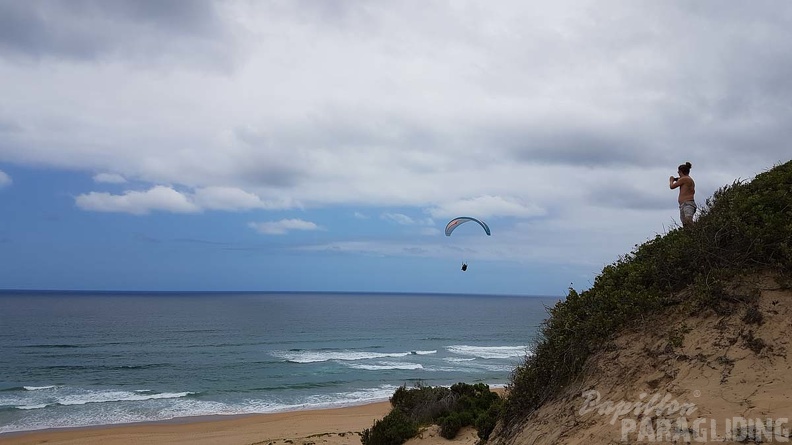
323, 145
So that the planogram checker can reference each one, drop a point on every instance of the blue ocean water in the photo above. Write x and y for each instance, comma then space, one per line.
81, 359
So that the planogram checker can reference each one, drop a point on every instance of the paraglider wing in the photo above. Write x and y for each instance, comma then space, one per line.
454, 223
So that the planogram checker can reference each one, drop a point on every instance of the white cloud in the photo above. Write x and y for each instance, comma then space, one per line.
139, 203
4, 179
283, 226
431, 231
487, 206
400, 218
527, 110
233, 199
167, 199
381, 248
109, 178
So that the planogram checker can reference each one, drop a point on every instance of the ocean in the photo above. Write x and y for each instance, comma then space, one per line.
70, 359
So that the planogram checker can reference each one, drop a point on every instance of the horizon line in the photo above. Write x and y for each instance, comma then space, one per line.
117, 291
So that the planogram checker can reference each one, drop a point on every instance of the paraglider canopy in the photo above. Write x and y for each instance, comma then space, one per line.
454, 223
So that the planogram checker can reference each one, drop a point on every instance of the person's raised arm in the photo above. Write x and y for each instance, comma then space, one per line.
677, 182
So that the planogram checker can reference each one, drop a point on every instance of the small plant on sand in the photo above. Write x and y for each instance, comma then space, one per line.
676, 336
753, 316
753, 343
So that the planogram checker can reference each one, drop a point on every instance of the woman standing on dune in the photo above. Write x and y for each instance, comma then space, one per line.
687, 192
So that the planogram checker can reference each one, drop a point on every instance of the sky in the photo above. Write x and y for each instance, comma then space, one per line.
323, 145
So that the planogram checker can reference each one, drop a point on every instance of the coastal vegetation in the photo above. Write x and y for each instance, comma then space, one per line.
744, 229
451, 408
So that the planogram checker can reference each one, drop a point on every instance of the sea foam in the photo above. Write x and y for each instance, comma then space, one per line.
489, 352
385, 366
315, 356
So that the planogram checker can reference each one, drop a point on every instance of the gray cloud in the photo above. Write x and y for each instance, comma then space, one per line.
268, 160
628, 197
8, 126
4, 179
572, 145
99, 29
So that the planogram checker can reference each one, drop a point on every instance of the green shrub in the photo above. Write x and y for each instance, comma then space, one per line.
450, 408
422, 403
394, 429
450, 426
486, 421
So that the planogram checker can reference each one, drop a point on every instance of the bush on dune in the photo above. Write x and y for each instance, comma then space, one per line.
743, 227
451, 408
394, 429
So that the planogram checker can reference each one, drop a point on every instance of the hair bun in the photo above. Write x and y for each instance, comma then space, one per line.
688, 164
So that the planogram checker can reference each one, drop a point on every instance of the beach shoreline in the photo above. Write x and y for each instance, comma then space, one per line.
327, 426
340, 425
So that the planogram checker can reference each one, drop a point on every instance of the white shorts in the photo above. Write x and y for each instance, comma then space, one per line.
686, 210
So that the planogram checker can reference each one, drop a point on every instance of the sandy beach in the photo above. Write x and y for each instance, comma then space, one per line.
329, 426
336, 426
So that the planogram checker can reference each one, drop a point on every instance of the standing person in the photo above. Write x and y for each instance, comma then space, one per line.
687, 191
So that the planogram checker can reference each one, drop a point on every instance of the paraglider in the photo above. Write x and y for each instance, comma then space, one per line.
456, 222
